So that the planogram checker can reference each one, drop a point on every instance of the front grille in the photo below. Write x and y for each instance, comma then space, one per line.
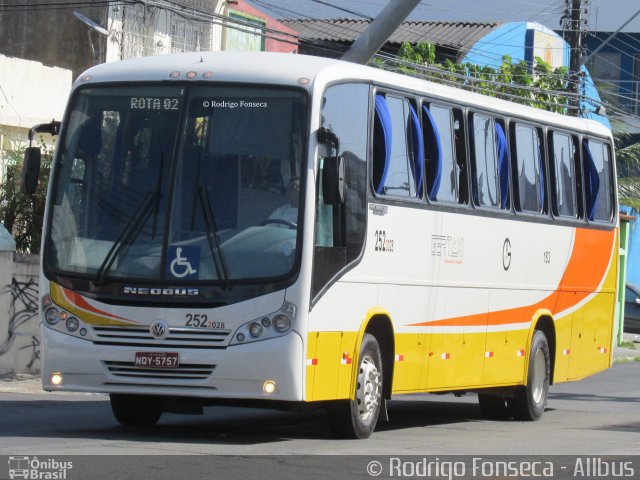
178, 337
183, 372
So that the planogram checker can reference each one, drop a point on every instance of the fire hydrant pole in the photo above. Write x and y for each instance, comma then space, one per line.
387, 21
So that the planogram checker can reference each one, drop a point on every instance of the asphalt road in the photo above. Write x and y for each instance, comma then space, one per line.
598, 415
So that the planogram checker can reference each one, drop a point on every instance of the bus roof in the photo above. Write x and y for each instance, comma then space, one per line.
269, 68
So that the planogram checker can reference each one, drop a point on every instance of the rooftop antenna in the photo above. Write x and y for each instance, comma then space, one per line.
93, 26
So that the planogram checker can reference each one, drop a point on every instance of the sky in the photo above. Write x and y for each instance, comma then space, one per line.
604, 15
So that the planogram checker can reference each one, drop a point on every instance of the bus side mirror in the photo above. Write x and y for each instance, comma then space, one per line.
333, 180
32, 157
30, 170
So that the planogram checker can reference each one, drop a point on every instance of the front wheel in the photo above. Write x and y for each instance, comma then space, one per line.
357, 418
529, 402
136, 410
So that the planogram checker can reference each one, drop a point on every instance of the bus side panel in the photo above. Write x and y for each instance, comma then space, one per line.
457, 352
410, 360
311, 364
333, 331
409, 302
325, 363
563, 324
504, 363
591, 337
592, 329
348, 359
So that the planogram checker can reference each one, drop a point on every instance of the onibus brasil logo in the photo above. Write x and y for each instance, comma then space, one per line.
32, 468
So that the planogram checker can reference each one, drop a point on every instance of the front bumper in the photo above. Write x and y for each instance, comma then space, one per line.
237, 371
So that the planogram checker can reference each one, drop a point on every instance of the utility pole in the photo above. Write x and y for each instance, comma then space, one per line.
378, 32
572, 19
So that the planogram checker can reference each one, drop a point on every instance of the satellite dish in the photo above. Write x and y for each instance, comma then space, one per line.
86, 20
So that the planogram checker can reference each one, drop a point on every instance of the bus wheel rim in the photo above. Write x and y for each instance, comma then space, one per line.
369, 388
538, 377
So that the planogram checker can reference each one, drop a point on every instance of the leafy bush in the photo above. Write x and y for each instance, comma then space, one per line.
543, 88
21, 214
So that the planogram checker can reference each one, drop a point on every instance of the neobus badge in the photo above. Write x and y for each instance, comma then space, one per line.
176, 292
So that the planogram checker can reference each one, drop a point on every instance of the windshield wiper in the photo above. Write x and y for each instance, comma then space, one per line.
128, 233
212, 234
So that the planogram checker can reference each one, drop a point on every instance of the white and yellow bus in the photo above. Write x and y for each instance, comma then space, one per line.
287, 231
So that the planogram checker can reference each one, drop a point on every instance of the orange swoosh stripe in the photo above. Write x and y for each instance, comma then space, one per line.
77, 305
585, 271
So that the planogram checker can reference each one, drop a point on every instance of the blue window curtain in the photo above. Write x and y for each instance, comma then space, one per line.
592, 180
435, 154
382, 111
418, 151
541, 190
503, 165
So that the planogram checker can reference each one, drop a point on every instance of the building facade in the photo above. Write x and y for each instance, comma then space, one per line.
615, 67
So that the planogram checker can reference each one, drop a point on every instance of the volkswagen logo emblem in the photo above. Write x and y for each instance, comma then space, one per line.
159, 329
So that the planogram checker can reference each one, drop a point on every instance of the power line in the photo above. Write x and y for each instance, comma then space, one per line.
29, 7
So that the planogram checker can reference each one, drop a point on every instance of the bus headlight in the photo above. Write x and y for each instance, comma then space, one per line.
72, 324
274, 325
256, 330
282, 323
51, 315
62, 321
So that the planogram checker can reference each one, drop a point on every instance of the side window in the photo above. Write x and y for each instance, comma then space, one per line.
340, 229
443, 171
485, 162
398, 155
596, 157
563, 175
529, 169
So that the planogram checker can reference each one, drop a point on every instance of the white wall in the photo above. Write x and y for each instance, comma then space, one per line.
31, 92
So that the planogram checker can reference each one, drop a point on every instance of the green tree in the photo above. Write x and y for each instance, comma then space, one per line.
544, 87
21, 214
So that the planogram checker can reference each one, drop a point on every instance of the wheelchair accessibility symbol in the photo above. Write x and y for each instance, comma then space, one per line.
183, 262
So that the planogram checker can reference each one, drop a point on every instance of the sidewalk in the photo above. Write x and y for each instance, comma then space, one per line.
27, 383
630, 351
20, 383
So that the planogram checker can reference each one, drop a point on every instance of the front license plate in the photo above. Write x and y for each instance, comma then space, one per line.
157, 359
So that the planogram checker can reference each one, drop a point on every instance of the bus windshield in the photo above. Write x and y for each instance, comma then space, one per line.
178, 184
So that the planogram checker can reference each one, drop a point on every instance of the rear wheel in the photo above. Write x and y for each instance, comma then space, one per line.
136, 410
357, 418
529, 402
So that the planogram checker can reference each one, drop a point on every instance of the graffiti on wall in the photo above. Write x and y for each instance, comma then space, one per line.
23, 309
34, 348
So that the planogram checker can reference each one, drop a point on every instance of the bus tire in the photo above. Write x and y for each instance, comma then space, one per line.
357, 418
528, 403
136, 410
494, 407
